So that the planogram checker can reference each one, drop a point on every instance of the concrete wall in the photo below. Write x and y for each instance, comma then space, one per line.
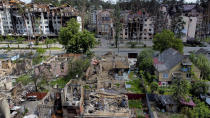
4, 109
189, 27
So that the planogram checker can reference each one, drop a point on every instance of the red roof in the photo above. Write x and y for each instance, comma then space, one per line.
188, 103
139, 13
38, 94
155, 60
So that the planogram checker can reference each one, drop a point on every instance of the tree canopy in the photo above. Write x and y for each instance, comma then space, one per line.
76, 41
199, 87
48, 42
166, 39
203, 64
200, 110
145, 60
181, 88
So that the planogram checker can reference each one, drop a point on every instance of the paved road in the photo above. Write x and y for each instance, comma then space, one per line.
102, 51
121, 51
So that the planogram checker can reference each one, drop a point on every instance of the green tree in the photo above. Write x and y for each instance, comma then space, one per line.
181, 89
75, 41
199, 87
200, 110
203, 64
40, 51
165, 40
24, 79
37, 60
207, 40
1, 38
10, 39
19, 41
117, 24
145, 61
154, 86
48, 42
39, 57
77, 68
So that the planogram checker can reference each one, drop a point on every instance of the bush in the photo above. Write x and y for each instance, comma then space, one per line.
154, 86
132, 44
37, 60
161, 91
135, 104
201, 110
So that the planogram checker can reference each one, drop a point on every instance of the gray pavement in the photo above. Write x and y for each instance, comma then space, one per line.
100, 50
27, 45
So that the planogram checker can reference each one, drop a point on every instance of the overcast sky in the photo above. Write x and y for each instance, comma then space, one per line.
27, 1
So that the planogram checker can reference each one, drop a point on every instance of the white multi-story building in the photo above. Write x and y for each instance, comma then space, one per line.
189, 28
148, 28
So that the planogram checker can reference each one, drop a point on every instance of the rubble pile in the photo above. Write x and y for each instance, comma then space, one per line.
22, 66
104, 103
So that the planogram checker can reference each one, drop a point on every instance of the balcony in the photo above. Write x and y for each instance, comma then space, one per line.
185, 69
176, 75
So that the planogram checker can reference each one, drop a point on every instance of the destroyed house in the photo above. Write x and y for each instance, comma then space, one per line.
105, 104
117, 66
104, 23
167, 102
6, 65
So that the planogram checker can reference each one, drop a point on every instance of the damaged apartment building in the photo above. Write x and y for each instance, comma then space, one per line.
18, 18
192, 16
137, 26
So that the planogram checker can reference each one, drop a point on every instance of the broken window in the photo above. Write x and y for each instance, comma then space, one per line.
188, 75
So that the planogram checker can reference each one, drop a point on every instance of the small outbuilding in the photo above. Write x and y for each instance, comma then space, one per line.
167, 103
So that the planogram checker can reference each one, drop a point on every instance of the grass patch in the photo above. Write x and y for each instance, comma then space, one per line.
135, 104
54, 48
165, 90
136, 84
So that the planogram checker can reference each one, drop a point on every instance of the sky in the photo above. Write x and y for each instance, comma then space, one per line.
27, 1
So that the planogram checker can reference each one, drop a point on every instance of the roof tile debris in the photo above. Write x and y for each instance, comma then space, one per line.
39, 95
165, 100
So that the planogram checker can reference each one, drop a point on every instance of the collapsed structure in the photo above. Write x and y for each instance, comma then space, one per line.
102, 92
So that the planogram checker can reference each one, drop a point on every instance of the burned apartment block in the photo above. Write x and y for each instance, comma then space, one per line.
104, 23
139, 26
17, 18
190, 14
